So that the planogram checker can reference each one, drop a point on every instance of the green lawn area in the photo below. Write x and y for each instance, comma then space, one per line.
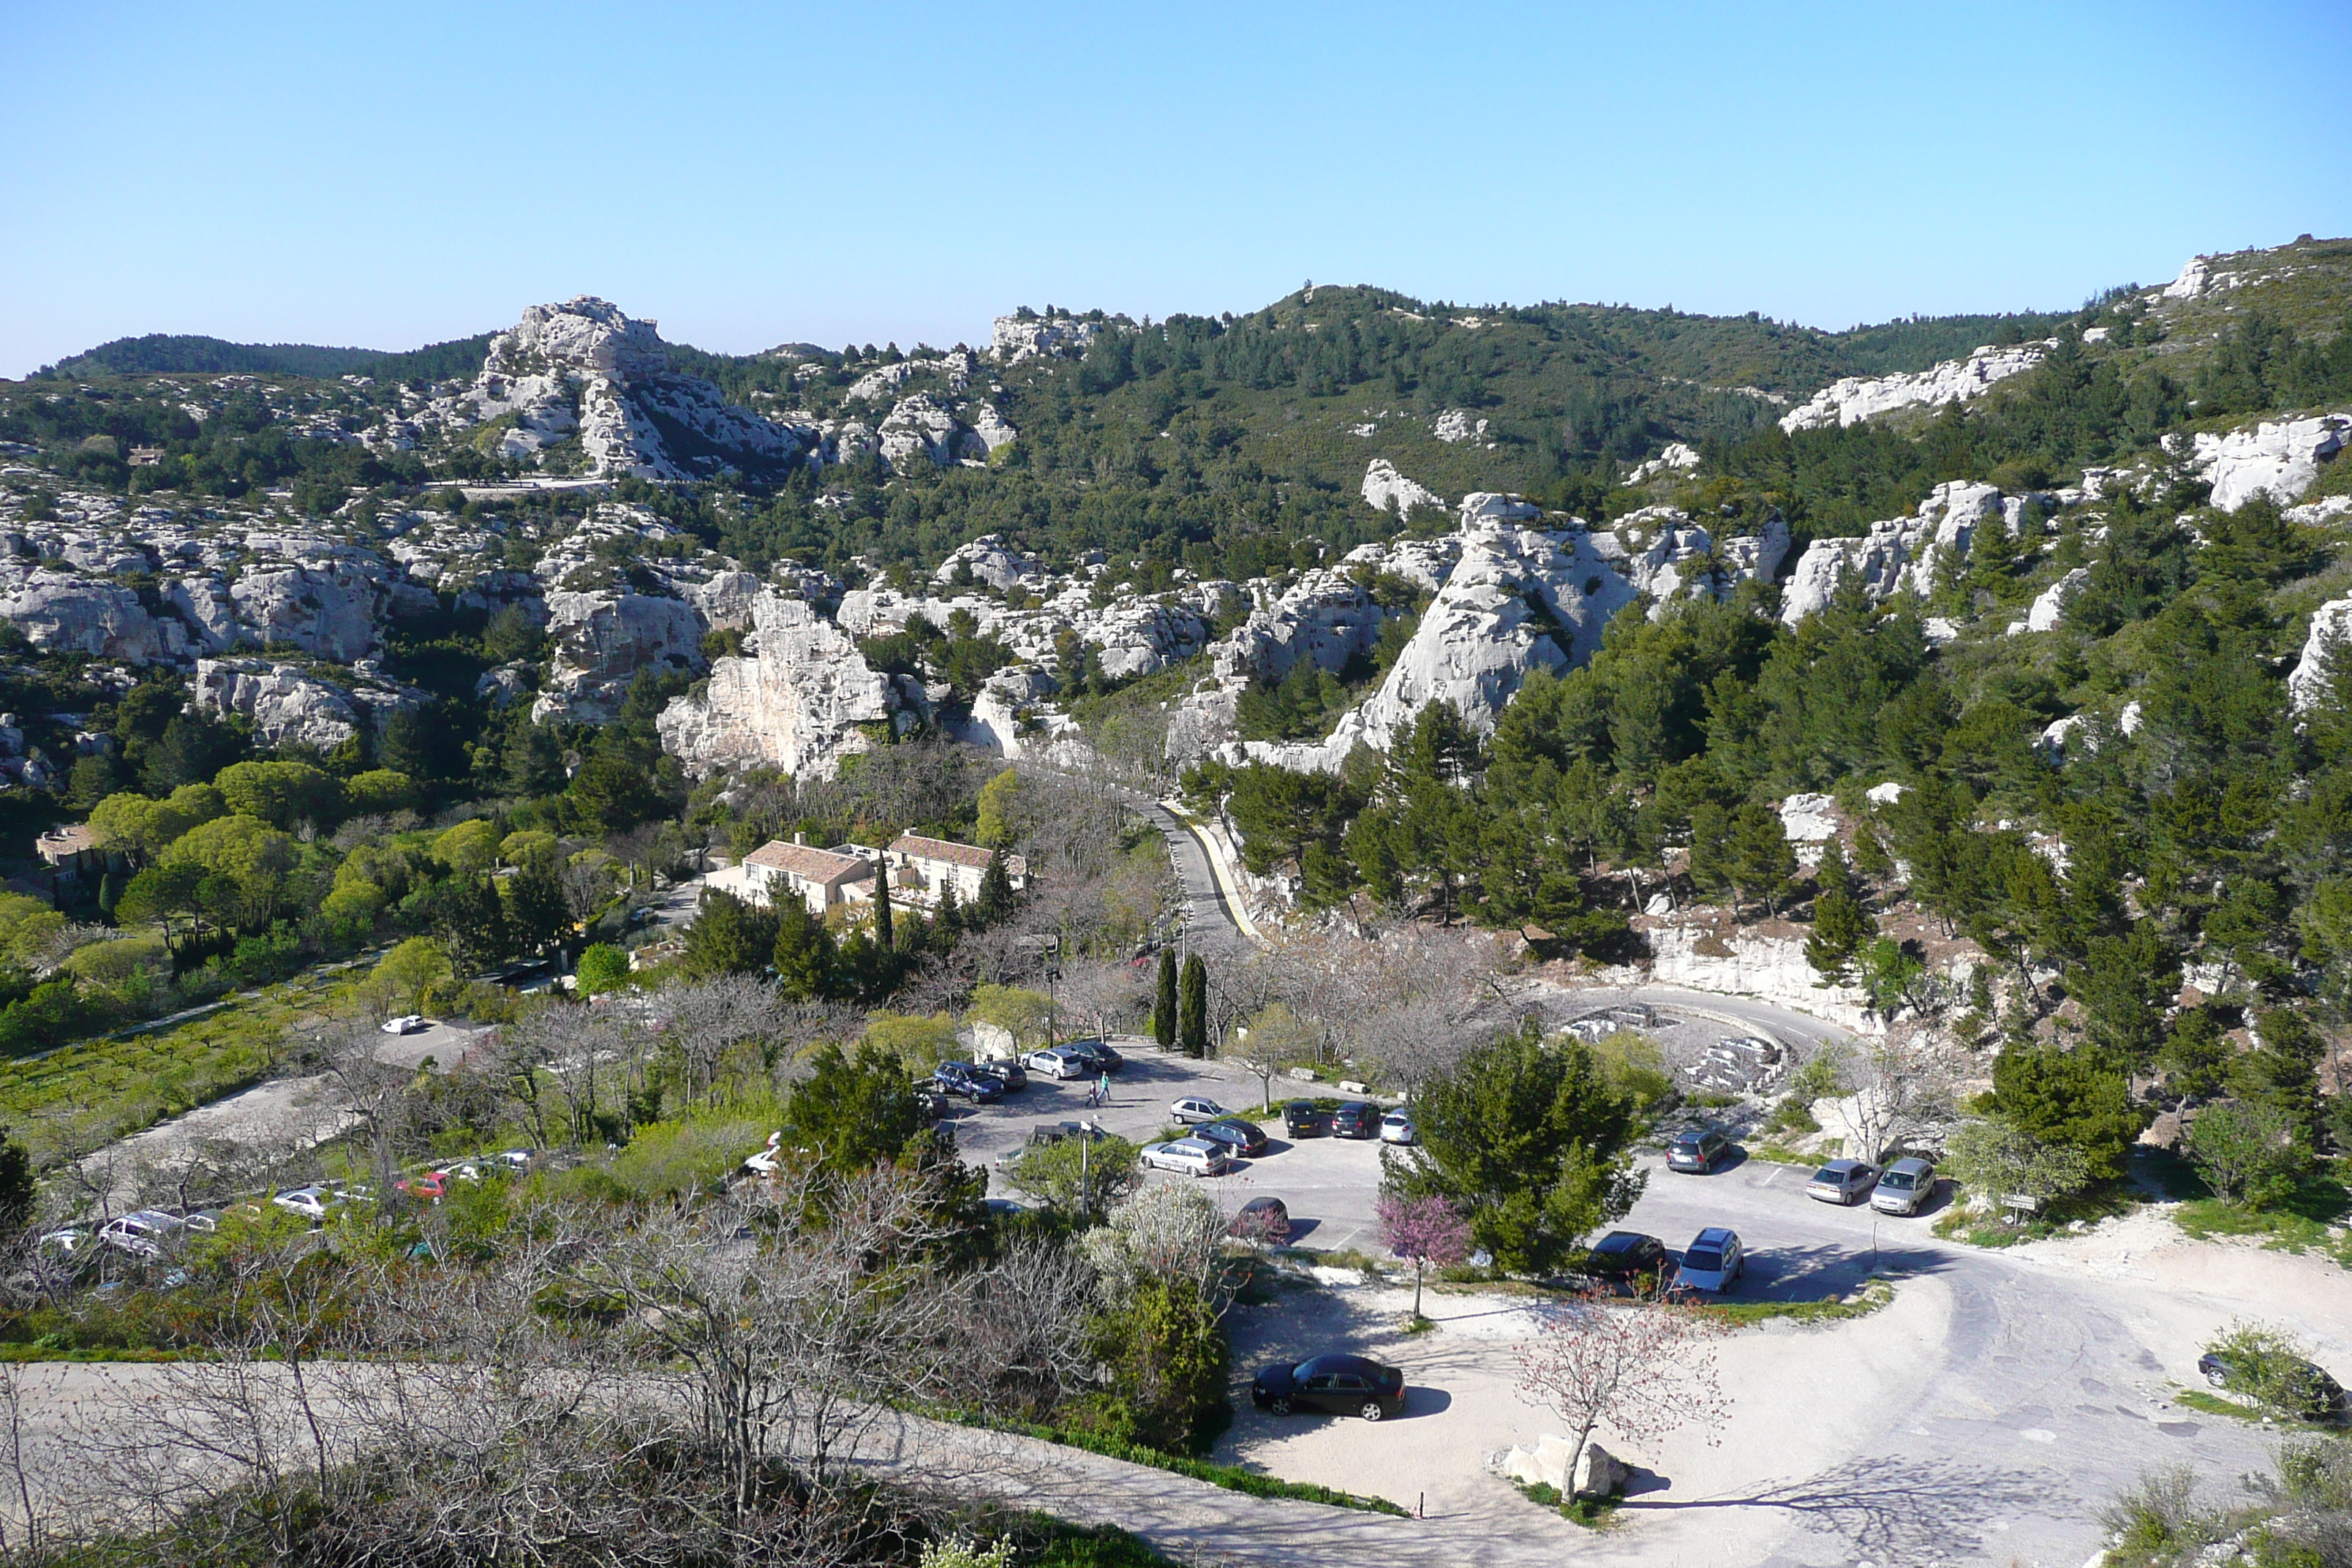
2312, 1219
100, 1090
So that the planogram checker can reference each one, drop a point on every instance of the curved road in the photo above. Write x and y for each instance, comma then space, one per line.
1209, 926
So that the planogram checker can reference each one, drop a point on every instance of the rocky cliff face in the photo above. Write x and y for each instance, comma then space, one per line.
1857, 398
2278, 460
801, 698
290, 706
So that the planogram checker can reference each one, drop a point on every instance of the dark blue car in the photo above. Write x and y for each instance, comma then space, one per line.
1331, 1386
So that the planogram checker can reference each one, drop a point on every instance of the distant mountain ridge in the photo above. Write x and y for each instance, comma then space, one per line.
178, 353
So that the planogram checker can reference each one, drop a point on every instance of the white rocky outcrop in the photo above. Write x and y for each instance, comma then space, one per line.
2278, 460
991, 429
1019, 337
1518, 600
918, 426
287, 705
1666, 554
1144, 636
603, 641
1897, 553
1856, 398
2331, 625
1455, 426
800, 697
990, 561
59, 613
1385, 490
2049, 607
1677, 457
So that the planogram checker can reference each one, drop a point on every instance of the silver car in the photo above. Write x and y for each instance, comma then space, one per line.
1194, 1109
1194, 1156
1842, 1182
1906, 1187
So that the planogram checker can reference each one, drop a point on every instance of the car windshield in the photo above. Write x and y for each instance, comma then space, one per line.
1705, 1262
1686, 1145
1900, 1181
1830, 1174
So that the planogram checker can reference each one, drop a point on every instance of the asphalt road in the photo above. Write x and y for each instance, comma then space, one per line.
1209, 925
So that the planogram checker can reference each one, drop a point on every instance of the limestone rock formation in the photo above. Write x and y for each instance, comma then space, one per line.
918, 427
1385, 490
799, 699
990, 561
602, 640
289, 705
1677, 457
1455, 426
2050, 605
1856, 398
1666, 554
58, 612
2331, 626
1897, 553
1018, 337
991, 430
2276, 460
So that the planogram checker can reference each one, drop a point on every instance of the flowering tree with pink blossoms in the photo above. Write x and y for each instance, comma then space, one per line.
1429, 1230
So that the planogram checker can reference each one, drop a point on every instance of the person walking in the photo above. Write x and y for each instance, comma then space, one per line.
1102, 1086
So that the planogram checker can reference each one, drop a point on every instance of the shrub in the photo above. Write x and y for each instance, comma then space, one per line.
602, 968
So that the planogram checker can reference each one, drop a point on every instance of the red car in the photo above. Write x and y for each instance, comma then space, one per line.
431, 1186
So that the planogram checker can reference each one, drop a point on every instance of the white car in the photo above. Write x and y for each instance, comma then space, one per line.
141, 1234
1058, 1063
407, 1024
765, 1163
1194, 1156
307, 1202
1192, 1109
1397, 1127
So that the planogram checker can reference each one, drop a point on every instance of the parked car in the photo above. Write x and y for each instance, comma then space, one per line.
1842, 1182
1194, 1109
1397, 1127
1330, 1384
1245, 1138
1904, 1188
1711, 1262
144, 1233
1098, 1057
1262, 1218
1193, 1156
767, 1161
407, 1024
1304, 1119
1009, 1074
1003, 1208
929, 1103
1045, 1132
1698, 1151
1356, 1120
2323, 1398
1629, 1255
308, 1202
967, 1082
1059, 1061
434, 1186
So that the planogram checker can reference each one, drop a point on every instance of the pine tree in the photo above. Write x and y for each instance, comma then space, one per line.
995, 890
1163, 1004
950, 919
805, 959
1840, 928
1192, 1009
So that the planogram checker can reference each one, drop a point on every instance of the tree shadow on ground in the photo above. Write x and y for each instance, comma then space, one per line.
1896, 1510
1819, 1273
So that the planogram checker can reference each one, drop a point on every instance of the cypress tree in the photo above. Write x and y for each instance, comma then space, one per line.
1163, 1003
883, 933
109, 893
1192, 1009
995, 890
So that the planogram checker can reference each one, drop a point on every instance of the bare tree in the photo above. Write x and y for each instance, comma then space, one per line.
1645, 1370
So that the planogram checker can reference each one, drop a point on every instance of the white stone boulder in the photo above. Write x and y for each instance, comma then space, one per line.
1019, 337
1677, 457
602, 640
803, 699
289, 706
59, 613
1481, 508
1666, 554
1598, 1474
1455, 426
918, 427
992, 561
2276, 460
2050, 605
991, 430
1385, 490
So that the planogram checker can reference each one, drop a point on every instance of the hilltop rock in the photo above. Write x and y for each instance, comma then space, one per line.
1666, 554
2279, 460
1016, 338
798, 700
1387, 490
1856, 398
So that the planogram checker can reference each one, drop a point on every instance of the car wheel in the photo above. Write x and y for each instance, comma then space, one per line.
1278, 1406
1373, 1411
2217, 1380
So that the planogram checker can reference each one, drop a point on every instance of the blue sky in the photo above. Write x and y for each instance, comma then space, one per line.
389, 176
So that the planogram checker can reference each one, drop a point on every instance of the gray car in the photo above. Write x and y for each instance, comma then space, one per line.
1842, 1182
1906, 1187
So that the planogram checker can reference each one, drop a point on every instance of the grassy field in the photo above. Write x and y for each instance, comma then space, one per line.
100, 1090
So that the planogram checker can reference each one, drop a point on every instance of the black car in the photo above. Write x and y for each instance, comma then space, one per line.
1356, 1120
930, 1103
1304, 1119
1332, 1385
1245, 1138
2321, 1397
1628, 1254
1698, 1151
1100, 1057
967, 1082
1009, 1075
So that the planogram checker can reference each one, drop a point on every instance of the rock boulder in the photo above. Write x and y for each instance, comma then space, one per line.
801, 701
